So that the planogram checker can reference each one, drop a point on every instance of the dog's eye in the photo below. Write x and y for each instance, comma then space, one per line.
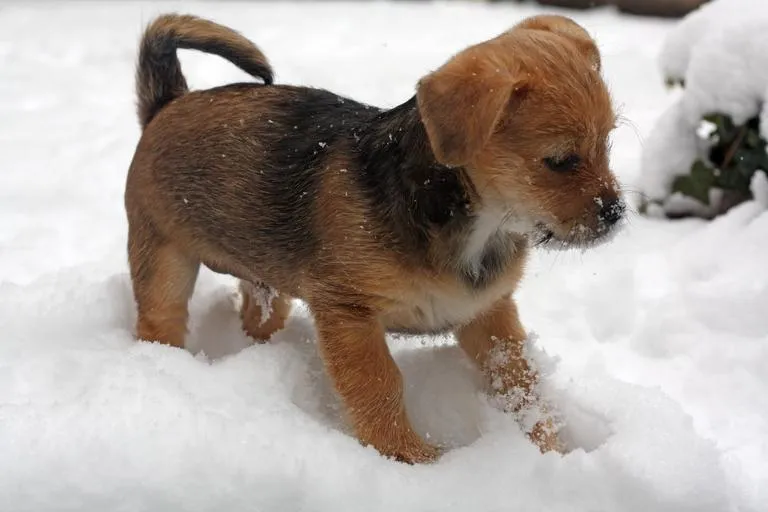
567, 163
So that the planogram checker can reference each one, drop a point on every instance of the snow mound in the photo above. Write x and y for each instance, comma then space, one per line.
719, 52
91, 420
707, 21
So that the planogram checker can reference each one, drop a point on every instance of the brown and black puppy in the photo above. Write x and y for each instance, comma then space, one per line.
416, 219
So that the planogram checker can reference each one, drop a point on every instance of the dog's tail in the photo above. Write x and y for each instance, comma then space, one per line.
158, 75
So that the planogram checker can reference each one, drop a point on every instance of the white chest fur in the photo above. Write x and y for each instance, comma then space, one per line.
488, 224
437, 312
437, 307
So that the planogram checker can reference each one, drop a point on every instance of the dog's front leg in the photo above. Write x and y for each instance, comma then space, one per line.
353, 346
495, 340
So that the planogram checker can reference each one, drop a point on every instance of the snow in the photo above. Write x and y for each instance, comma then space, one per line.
759, 187
719, 53
654, 346
709, 21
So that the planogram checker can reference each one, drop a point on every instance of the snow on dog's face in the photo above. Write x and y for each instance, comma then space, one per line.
528, 116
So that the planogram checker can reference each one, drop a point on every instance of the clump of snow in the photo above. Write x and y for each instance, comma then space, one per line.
719, 52
759, 187
670, 149
717, 15
653, 347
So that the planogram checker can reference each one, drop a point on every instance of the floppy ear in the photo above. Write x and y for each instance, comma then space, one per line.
568, 28
461, 103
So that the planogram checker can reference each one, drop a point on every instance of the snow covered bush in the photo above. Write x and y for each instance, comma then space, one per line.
709, 148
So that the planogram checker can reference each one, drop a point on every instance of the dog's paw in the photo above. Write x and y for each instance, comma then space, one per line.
423, 453
545, 435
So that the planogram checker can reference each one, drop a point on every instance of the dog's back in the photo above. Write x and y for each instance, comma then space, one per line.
235, 173
249, 154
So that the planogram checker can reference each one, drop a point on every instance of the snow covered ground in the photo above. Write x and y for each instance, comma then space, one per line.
658, 342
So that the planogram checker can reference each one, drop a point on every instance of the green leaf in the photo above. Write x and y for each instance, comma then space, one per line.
754, 141
734, 153
724, 124
671, 82
697, 184
745, 162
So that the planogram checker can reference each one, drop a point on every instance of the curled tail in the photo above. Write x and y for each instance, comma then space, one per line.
158, 76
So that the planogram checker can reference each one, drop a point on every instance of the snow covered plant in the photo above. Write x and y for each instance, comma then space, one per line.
707, 153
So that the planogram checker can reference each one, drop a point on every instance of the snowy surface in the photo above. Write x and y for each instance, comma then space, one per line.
658, 342
719, 51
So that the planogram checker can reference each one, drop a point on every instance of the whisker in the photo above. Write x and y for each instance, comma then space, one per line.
637, 192
622, 120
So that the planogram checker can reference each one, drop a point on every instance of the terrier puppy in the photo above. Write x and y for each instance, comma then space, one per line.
416, 219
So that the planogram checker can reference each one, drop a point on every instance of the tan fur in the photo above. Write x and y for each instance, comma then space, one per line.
163, 277
489, 109
568, 28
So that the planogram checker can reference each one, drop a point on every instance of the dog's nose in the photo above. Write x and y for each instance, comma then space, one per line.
612, 211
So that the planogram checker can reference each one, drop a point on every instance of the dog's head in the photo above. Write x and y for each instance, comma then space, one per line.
528, 115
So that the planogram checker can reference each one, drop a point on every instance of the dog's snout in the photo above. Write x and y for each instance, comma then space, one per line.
612, 211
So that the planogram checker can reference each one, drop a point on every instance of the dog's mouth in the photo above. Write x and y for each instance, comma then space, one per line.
578, 237
542, 235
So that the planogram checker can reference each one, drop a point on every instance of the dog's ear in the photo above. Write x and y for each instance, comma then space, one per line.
567, 28
462, 102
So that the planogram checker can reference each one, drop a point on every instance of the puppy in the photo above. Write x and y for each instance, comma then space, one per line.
416, 219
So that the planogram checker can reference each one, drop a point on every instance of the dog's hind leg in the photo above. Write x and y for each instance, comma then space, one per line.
163, 278
264, 310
